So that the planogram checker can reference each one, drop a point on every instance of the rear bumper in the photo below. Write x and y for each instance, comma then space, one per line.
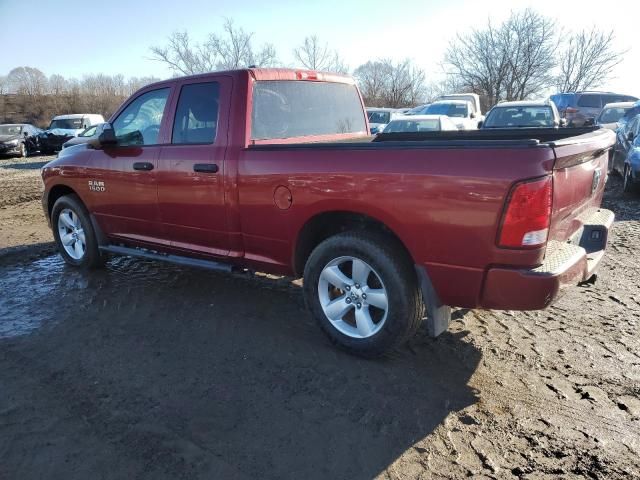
565, 264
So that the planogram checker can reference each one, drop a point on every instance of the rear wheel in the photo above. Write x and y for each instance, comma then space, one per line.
363, 293
74, 234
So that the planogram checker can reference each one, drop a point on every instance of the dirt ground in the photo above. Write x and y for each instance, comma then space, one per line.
151, 371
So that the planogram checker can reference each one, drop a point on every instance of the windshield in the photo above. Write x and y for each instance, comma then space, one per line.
459, 110
10, 129
431, 125
379, 117
66, 123
611, 114
503, 117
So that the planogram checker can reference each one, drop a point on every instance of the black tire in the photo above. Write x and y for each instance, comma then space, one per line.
92, 257
628, 185
405, 309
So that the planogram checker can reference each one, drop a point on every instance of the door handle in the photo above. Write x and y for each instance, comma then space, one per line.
144, 166
205, 168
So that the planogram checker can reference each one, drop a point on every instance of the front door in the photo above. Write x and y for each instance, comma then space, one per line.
122, 178
191, 194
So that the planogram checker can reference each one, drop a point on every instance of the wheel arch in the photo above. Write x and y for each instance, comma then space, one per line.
57, 191
326, 224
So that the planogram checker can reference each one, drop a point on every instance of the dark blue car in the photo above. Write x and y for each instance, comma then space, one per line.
626, 157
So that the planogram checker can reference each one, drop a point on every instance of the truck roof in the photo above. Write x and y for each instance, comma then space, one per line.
268, 74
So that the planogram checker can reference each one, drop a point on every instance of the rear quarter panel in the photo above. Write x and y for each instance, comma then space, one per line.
444, 204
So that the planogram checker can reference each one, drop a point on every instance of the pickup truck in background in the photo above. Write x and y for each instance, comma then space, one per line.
273, 170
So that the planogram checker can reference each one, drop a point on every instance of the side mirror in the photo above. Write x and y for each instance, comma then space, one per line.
480, 123
26, 134
472, 115
589, 122
107, 138
563, 122
630, 136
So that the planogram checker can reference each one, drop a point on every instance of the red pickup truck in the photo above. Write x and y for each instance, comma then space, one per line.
272, 169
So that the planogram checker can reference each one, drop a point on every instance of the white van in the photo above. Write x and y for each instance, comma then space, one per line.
64, 127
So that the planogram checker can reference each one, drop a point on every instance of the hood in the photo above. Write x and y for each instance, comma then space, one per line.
8, 138
63, 132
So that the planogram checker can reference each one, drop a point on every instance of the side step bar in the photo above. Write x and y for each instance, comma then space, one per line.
177, 259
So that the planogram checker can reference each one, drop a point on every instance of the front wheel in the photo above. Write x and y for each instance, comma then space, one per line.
363, 292
74, 234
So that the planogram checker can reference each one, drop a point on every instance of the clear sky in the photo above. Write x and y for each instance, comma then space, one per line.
74, 37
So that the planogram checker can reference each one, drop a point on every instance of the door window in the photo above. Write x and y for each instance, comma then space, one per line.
590, 101
139, 123
196, 119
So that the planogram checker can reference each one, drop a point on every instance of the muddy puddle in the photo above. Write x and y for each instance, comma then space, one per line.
46, 291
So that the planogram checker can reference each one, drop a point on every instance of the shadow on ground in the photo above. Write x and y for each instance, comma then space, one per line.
146, 370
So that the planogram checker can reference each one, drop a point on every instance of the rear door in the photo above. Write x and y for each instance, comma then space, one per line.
579, 177
191, 195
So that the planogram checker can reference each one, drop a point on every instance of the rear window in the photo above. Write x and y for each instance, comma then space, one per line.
612, 114
287, 109
515, 117
449, 109
590, 101
379, 117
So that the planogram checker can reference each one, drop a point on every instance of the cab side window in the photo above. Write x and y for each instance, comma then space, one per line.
196, 119
139, 122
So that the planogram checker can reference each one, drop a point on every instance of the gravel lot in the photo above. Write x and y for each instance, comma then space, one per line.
152, 371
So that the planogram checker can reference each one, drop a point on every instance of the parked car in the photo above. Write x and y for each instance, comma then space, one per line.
420, 123
274, 170
582, 108
85, 136
612, 113
523, 114
626, 157
19, 139
472, 98
379, 117
629, 115
65, 127
460, 111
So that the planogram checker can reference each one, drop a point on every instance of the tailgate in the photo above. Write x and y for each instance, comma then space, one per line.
579, 176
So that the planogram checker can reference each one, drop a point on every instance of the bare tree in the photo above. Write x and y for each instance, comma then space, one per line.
315, 55
587, 60
27, 81
230, 50
512, 61
390, 84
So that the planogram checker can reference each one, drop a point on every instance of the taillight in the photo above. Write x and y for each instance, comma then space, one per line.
525, 223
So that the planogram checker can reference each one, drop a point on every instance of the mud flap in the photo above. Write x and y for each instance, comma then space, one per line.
438, 315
